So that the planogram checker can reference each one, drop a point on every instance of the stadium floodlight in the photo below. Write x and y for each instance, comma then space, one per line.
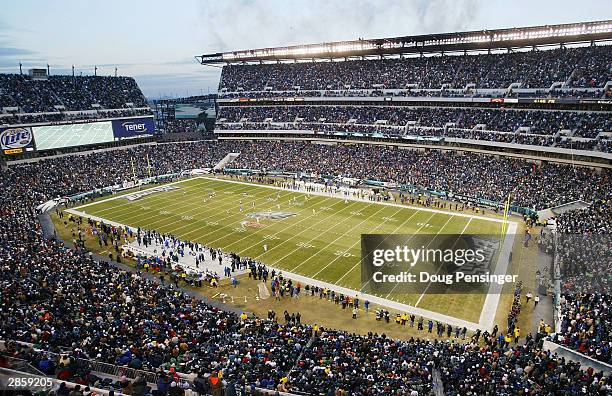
431, 43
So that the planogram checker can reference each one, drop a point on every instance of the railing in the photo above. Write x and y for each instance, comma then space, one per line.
14, 373
101, 367
22, 366
573, 355
118, 371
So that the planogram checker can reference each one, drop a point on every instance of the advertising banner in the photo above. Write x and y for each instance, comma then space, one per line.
16, 140
133, 127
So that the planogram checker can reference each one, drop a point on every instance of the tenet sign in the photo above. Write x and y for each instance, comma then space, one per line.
132, 127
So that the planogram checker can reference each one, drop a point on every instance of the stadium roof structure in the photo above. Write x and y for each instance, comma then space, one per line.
520, 37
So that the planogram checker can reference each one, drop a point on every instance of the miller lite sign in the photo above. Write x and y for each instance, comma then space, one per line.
16, 138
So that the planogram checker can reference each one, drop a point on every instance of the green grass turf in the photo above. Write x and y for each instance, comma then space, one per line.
324, 244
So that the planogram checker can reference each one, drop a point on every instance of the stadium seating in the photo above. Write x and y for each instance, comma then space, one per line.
585, 327
73, 93
585, 67
66, 98
463, 120
576, 73
179, 126
55, 297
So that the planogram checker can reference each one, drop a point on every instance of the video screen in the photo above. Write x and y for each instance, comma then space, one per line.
58, 136
193, 110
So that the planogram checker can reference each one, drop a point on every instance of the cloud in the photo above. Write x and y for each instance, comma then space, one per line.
14, 63
244, 24
12, 51
110, 65
182, 61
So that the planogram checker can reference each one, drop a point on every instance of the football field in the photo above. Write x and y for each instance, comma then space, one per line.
315, 236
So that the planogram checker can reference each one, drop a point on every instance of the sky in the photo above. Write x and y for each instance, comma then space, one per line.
155, 41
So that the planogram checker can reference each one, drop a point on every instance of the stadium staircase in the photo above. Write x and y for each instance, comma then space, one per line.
226, 160
438, 385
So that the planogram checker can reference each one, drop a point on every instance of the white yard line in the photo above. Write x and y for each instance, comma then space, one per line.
361, 259
196, 210
432, 239
99, 218
373, 299
352, 246
440, 267
152, 199
399, 307
492, 300
277, 232
240, 215
163, 217
135, 220
312, 239
350, 198
323, 219
215, 211
113, 198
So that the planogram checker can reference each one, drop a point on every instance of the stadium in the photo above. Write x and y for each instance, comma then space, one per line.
414, 215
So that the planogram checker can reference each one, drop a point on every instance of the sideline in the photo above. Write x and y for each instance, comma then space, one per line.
351, 198
49, 229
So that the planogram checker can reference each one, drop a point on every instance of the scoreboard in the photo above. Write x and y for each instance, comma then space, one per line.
18, 140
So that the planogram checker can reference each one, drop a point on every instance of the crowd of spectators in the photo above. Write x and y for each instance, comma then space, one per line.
56, 297
586, 324
468, 174
375, 364
572, 93
583, 250
71, 92
587, 145
438, 132
580, 67
585, 264
46, 177
61, 298
582, 124
177, 125
75, 373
